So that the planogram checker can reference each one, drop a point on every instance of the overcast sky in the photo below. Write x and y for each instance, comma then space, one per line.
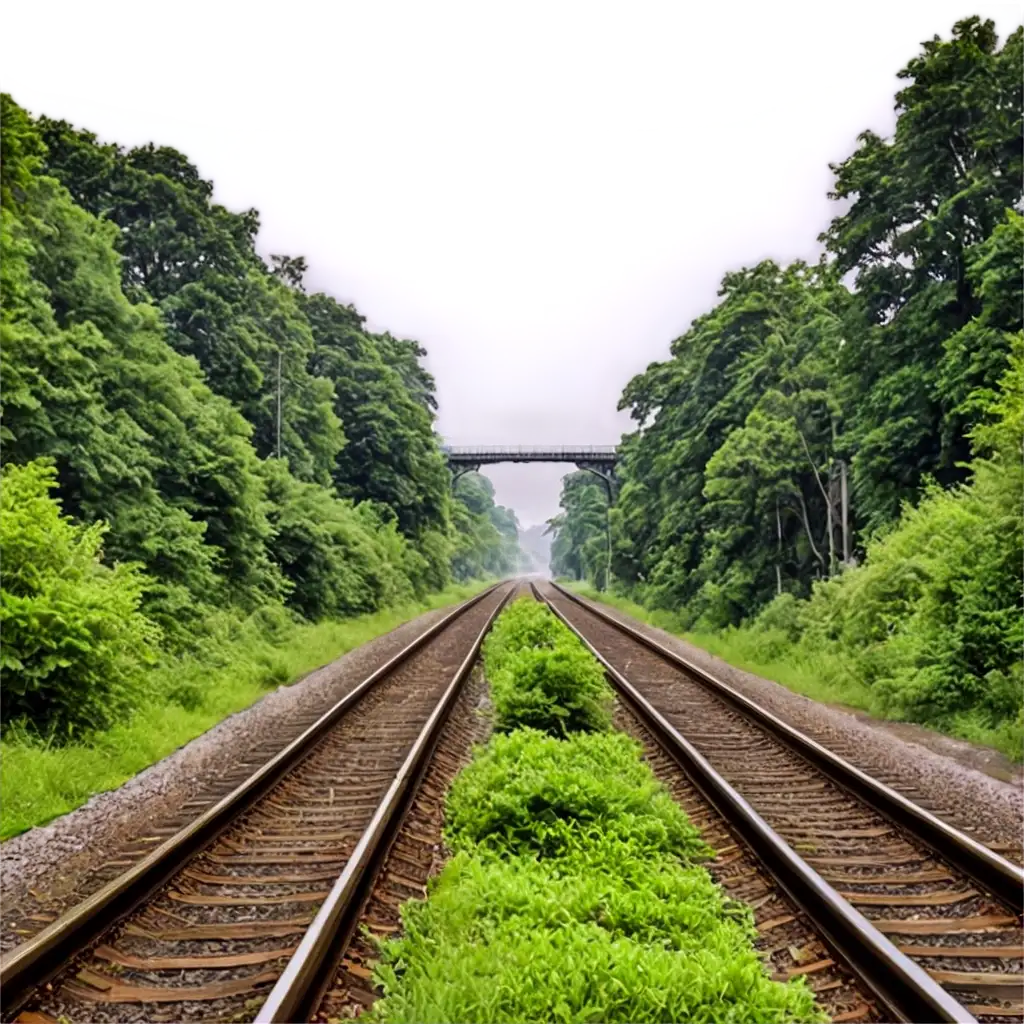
544, 194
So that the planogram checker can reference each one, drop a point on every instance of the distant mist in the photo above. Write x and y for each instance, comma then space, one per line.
537, 548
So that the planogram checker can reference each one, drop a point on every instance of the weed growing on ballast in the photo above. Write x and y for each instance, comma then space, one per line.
541, 675
527, 794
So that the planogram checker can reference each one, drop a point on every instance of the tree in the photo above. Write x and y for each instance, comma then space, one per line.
579, 548
485, 536
197, 263
392, 456
923, 205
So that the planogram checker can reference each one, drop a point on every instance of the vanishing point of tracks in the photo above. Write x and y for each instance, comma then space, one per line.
927, 917
251, 912
239, 913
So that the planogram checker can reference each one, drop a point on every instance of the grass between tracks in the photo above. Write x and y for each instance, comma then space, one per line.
41, 781
819, 673
576, 891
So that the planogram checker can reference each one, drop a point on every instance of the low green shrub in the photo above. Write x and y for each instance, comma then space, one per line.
531, 794
542, 677
76, 647
524, 624
559, 691
510, 941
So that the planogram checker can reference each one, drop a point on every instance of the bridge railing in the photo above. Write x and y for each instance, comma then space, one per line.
568, 453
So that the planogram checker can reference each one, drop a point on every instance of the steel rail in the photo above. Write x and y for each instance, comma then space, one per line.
907, 990
35, 961
991, 872
310, 970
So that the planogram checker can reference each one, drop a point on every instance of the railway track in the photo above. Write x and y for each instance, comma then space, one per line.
790, 943
927, 917
253, 912
239, 914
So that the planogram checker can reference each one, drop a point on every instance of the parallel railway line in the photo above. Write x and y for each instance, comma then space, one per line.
947, 907
206, 925
251, 911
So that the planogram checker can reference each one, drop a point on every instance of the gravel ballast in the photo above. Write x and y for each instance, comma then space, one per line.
989, 809
38, 867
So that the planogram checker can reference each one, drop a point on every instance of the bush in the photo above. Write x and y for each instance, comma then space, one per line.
340, 561
542, 677
523, 624
558, 691
519, 941
75, 645
533, 795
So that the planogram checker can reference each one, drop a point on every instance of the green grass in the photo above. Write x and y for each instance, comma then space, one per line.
42, 781
822, 676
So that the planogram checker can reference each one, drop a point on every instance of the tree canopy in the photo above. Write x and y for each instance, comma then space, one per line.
824, 417
239, 442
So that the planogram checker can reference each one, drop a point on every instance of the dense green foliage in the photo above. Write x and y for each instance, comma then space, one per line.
810, 442
579, 548
75, 645
486, 535
532, 795
146, 349
575, 893
541, 676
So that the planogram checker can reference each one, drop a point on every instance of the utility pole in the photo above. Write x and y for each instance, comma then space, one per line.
845, 498
279, 403
778, 557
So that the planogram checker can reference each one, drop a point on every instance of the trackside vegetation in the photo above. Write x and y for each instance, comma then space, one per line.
208, 473
825, 472
541, 676
575, 892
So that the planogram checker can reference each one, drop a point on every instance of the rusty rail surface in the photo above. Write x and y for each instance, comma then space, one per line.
909, 991
34, 962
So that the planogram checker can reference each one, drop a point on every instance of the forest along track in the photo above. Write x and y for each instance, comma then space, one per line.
966, 939
210, 942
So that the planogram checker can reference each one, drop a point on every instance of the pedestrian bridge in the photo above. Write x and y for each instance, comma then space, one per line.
484, 456
599, 459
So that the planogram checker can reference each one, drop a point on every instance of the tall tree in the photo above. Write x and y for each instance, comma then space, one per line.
198, 263
921, 205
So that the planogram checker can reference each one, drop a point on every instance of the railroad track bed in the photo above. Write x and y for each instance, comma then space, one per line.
275, 918
212, 942
967, 941
416, 855
104, 839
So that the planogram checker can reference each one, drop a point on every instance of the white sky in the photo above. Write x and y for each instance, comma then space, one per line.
543, 194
